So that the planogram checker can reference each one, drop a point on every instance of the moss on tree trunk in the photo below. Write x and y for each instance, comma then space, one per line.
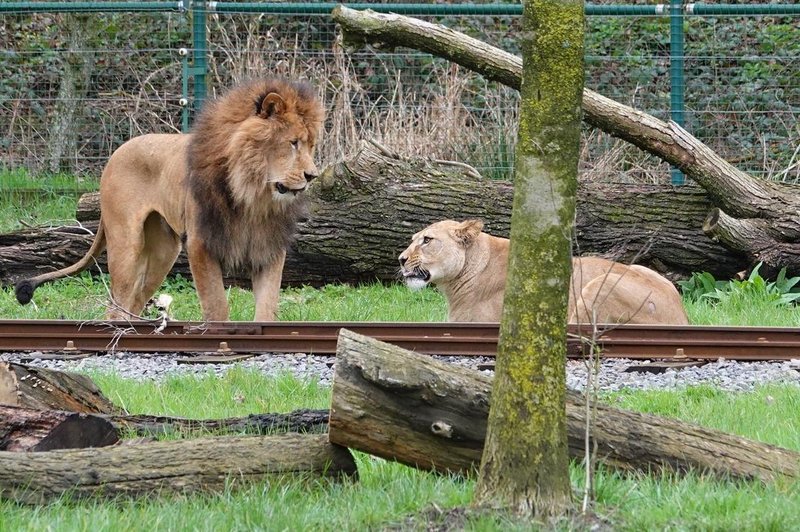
525, 460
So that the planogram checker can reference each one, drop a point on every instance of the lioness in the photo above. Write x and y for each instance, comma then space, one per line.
230, 190
470, 268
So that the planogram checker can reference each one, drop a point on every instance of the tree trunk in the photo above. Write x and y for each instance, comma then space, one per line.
365, 209
26, 429
43, 389
729, 189
77, 66
525, 466
402, 406
180, 466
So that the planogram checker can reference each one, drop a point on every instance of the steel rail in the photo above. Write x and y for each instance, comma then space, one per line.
464, 339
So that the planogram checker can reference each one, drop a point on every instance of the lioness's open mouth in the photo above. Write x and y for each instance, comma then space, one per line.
416, 279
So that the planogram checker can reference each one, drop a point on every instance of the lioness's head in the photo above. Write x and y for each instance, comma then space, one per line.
438, 252
263, 134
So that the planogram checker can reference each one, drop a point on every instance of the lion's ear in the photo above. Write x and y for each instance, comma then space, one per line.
272, 104
467, 231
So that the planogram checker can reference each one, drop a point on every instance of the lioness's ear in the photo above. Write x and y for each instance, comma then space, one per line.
467, 231
270, 105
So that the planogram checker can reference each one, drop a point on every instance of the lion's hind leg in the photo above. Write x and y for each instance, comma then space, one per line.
138, 262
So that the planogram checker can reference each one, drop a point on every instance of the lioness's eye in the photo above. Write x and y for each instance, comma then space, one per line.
426, 239
295, 144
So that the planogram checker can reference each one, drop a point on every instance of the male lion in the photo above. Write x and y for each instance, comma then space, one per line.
230, 190
470, 268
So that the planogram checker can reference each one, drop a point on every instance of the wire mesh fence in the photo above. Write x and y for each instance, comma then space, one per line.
74, 86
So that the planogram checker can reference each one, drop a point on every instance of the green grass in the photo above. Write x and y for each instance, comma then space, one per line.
20, 179
30, 200
387, 493
240, 391
770, 414
750, 312
19, 212
85, 297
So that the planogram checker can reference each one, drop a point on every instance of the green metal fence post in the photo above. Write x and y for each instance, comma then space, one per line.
677, 85
200, 45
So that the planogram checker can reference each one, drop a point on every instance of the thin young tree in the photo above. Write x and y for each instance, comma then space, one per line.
525, 461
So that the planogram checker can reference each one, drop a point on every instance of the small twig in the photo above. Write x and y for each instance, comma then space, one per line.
383, 149
469, 170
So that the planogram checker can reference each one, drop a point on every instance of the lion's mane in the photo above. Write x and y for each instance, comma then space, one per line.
240, 236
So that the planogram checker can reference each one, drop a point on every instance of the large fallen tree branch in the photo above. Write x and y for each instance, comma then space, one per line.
730, 189
180, 466
399, 405
366, 207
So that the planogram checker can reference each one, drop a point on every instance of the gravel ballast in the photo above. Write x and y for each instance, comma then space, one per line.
723, 374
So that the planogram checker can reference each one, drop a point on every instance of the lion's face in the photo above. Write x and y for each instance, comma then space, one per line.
438, 252
271, 152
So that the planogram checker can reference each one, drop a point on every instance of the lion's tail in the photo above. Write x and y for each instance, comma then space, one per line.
24, 289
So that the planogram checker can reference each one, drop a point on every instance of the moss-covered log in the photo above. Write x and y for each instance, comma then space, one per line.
366, 207
399, 405
173, 466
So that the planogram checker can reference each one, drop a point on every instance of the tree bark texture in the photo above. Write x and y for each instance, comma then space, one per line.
40, 388
366, 207
26, 429
729, 189
76, 69
315, 421
179, 466
525, 465
425, 413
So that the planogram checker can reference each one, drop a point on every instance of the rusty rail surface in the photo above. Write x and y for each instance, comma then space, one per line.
466, 339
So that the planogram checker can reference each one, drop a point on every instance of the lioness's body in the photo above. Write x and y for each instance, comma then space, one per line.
228, 190
470, 268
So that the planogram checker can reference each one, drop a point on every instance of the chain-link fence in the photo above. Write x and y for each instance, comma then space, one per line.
74, 86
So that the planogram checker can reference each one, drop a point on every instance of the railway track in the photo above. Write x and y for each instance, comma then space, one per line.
465, 339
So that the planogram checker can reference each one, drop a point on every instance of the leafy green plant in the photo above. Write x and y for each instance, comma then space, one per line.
700, 284
755, 287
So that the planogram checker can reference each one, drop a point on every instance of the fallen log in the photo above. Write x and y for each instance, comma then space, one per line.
402, 406
314, 421
43, 389
173, 466
57, 393
734, 192
365, 209
26, 429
